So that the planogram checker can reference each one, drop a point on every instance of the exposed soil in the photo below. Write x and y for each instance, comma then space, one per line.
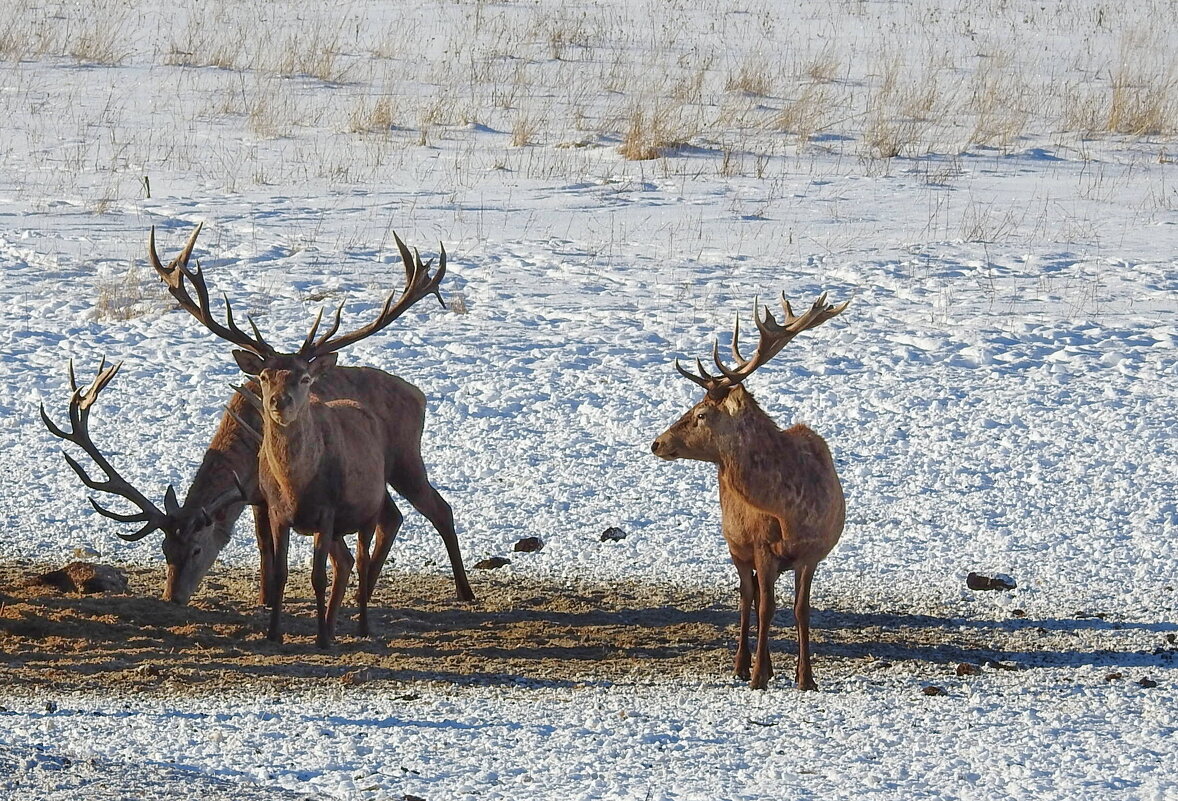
518, 630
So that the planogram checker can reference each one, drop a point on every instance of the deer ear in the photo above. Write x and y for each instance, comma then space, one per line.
324, 362
250, 363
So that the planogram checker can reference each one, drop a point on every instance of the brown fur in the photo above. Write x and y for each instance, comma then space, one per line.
781, 508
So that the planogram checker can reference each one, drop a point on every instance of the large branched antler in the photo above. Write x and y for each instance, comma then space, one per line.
774, 337
418, 284
80, 402
175, 274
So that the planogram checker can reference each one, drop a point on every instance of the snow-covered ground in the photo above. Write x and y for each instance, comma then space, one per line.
1000, 396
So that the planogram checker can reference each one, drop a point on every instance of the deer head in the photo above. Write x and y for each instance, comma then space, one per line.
187, 529
716, 422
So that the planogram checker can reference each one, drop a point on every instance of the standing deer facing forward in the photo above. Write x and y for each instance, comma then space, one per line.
781, 504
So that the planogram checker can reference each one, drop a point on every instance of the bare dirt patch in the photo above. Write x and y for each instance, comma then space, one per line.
519, 630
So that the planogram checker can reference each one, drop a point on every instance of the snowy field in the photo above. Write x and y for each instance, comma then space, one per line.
992, 184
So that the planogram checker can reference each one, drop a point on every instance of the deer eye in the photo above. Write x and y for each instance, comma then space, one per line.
701, 415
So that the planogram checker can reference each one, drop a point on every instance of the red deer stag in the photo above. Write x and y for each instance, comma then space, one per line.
323, 464
781, 504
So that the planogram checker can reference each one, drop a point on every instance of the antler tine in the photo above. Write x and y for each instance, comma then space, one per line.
704, 380
174, 276
80, 402
418, 284
773, 337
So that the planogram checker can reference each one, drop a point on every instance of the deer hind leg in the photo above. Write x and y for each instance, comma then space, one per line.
363, 592
411, 481
803, 576
277, 572
767, 569
386, 532
748, 591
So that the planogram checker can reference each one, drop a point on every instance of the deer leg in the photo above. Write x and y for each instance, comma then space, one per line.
363, 591
278, 570
767, 569
748, 590
803, 576
412, 483
386, 532
324, 544
341, 570
265, 551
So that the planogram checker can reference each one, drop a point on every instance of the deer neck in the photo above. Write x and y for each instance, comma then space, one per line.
290, 454
751, 448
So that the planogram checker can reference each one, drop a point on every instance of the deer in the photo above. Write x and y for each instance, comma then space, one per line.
323, 464
781, 503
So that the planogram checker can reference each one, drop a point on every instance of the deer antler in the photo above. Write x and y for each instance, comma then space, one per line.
418, 284
174, 276
774, 337
80, 402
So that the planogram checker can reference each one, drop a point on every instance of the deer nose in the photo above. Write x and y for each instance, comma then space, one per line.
654, 446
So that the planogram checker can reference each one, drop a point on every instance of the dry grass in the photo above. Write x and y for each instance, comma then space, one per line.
378, 117
126, 296
652, 130
751, 79
807, 114
524, 130
1143, 105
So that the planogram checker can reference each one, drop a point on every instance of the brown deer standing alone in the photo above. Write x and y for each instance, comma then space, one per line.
781, 504
322, 464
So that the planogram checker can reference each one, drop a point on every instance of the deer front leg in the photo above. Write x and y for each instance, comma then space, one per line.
767, 569
324, 545
803, 576
341, 568
265, 552
280, 535
748, 590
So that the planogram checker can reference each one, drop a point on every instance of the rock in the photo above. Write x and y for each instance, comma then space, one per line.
933, 689
613, 534
976, 581
148, 670
529, 545
1147, 683
1114, 676
82, 552
492, 563
967, 669
1005, 665
84, 577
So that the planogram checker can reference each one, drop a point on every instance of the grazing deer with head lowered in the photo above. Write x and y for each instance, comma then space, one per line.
322, 464
781, 504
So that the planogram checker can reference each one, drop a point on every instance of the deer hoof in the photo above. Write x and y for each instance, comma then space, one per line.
806, 683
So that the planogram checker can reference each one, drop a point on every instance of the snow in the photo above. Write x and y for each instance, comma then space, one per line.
1000, 395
